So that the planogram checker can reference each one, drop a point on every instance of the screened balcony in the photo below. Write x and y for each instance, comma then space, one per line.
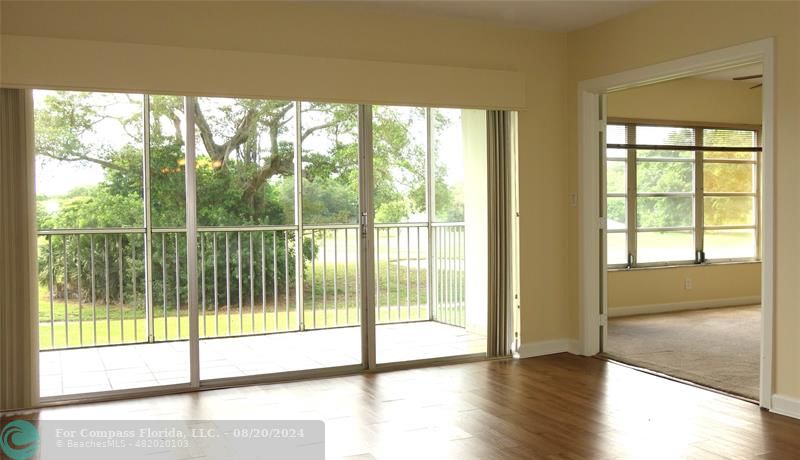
101, 330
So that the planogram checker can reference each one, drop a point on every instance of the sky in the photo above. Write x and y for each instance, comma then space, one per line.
59, 177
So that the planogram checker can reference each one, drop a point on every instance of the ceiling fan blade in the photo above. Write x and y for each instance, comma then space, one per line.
748, 77
757, 86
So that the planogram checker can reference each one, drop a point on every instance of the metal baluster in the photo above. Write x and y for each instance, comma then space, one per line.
227, 283
324, 276
52, 288
442, 276
66, 294
462, 277
453, 275
335, 287
377, 274
121, 290
456, 275
239, 278
445, 274
454, 232
452, 262
346, 269
164, 281
459, 280
263, 283
449, 260
135, 295
80, 291
203, 280
108, 290
94, 292
397, 278
419, 309
358, 279
408, 273
313, 279
286, 272
441, 279
388, 274
275, 278
459, 272
216, 284
177, 286
433, 276
252, 288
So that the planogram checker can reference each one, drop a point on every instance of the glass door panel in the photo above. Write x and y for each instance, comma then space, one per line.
331, 236
278, 240
422, 159
247, 236
96, 324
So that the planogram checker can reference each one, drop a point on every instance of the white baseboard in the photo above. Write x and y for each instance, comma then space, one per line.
547, 347
786, 405
682, 306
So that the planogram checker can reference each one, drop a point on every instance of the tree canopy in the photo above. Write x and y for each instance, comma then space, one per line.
245, 173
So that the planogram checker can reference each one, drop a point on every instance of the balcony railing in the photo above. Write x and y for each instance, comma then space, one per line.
94, 281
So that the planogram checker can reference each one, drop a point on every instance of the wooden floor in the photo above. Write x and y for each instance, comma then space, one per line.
553, 407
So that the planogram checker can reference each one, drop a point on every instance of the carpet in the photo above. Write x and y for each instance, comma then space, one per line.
717, 348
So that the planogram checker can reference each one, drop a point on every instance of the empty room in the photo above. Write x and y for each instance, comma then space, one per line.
390, 229
684, 279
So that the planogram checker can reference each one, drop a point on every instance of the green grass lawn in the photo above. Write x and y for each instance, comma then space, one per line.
680, 245
130, 331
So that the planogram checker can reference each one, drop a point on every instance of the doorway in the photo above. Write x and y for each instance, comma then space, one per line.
683, 233
596, 240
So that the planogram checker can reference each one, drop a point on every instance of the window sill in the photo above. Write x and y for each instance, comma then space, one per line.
692, 265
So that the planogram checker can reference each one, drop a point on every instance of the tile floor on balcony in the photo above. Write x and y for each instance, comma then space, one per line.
87, 370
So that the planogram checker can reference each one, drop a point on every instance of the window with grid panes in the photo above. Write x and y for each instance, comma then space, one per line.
681, 194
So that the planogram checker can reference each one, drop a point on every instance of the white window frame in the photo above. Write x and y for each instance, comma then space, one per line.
698, 194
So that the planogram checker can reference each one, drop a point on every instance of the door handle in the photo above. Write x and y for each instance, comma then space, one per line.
363, 224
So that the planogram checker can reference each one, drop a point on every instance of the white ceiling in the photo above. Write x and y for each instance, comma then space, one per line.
548, 15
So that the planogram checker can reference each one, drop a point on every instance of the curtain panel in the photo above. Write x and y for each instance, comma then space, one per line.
19, 363
499, 151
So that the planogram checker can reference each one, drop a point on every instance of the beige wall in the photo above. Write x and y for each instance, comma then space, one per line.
651, 290
664, 288
463, 53
690, 99
671, 30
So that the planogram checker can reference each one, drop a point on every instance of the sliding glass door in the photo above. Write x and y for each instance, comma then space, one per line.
278, 228
421, 159
278, 210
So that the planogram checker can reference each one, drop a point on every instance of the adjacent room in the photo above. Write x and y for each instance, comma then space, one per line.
683, 206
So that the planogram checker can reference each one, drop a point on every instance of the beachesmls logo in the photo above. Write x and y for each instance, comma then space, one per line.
19, 440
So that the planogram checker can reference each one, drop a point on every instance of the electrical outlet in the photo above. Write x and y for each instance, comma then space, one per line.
573, 199
687, 283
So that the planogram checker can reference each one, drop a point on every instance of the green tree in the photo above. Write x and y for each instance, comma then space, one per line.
245, 176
